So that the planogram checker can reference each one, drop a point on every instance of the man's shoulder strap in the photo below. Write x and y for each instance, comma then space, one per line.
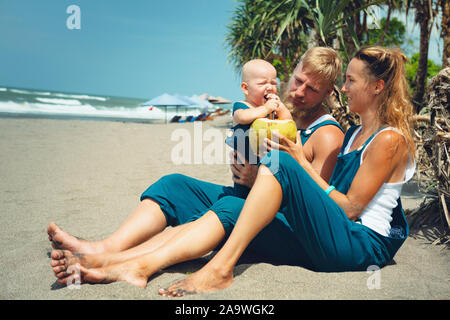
306, 133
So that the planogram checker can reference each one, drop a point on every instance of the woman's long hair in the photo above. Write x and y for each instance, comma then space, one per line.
396, 109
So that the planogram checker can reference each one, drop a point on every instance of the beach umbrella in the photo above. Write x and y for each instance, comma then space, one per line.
215, 100
192, 103
219, 100
166, 100
204, 103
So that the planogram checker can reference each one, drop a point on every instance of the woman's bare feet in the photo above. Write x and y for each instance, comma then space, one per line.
63, 240
69, 270
207, 279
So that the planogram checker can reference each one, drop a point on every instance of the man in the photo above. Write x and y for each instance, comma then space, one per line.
200, 211
308, 87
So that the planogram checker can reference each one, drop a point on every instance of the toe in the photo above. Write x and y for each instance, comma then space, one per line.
56, 263
51, 230
57, 254
173, 293
181, 292
162, 292
59, 269
61, 275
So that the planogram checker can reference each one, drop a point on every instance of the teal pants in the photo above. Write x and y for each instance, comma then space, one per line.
184, 199
310, 229
329, 238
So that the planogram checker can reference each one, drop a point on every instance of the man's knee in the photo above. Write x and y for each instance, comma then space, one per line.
230, 203
227, 210
173, 179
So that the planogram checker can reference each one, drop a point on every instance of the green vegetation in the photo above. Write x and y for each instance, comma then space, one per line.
281, 31
411, 70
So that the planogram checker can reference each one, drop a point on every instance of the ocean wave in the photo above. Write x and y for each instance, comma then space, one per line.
42, 93
20, 91
86, 110
67, 102
79, 96
56, 94
3, 89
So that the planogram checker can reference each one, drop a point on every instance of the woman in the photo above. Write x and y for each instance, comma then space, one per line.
356, 220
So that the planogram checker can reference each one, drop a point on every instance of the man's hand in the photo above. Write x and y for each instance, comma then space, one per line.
294, 149
244, 173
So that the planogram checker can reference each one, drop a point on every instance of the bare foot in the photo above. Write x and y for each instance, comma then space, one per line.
207, 279
63, 240
63, 259
128, 271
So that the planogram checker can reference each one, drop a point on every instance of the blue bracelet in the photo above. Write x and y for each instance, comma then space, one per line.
329, 189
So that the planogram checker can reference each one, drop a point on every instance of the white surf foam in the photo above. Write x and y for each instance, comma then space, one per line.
79, 96
67, 102
86, 110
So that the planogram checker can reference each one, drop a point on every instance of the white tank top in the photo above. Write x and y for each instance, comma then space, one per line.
377, 215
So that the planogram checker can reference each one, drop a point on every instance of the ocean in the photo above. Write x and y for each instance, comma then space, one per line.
30, 103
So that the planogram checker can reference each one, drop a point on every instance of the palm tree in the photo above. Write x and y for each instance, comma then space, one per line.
254, 32
392, 5
279, 31
445, 32
425, 18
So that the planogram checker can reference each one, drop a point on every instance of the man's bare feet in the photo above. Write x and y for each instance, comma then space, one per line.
206, 279
76, 273
63, 240
62, 259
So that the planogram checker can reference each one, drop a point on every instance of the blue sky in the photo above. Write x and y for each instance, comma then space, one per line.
124, 48
139, 48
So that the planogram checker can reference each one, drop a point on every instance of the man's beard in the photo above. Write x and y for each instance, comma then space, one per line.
298, 113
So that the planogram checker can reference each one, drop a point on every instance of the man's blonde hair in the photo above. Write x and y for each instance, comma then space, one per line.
322, 61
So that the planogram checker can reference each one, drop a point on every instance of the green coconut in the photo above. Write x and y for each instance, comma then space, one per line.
263, 128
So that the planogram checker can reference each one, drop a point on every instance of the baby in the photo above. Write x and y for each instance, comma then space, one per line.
259, 85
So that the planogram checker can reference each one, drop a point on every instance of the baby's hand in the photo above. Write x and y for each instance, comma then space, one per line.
270, 96
283, 112
271, 105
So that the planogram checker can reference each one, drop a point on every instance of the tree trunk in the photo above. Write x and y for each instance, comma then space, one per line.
445, 25
422, 69
313, 40
386, 25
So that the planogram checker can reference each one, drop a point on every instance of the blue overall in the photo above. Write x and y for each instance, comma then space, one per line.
183, 199
240, 141
330, 240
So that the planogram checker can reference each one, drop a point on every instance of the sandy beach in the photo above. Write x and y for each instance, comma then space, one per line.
87, 176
